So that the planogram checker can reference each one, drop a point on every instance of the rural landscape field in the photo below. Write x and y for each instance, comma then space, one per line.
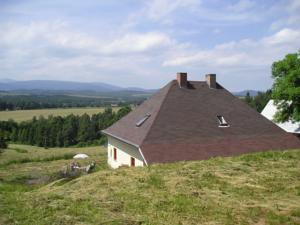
24, 115
260, 188
157, 112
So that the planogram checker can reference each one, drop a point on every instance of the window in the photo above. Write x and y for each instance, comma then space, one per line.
141, 121
115, 154
132, 161
222, 121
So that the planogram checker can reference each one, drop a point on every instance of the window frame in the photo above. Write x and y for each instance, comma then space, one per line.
143, 120
222, 122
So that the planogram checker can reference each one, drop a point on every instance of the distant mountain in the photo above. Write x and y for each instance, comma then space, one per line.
244, 93
6, 80
140, 89
54, 85
71, 87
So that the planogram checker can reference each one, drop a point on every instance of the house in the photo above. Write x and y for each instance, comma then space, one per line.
192, 120
269, 112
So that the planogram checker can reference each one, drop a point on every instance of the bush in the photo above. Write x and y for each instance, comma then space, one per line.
3, 144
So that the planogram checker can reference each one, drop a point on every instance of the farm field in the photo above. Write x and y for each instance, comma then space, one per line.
23, 115
260, 188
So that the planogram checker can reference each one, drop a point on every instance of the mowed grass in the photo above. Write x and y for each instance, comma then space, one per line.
23, 162
23, 115
260, 188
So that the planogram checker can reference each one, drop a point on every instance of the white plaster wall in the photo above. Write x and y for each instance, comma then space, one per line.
124, 153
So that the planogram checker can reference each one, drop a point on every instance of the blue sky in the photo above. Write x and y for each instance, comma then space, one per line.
144, 43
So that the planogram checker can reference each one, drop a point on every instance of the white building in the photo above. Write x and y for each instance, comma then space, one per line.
269, 112
120, 153
191, 120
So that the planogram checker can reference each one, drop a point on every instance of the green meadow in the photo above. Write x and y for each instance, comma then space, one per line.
260, 188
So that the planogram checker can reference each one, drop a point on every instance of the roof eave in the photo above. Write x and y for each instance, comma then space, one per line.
121, 139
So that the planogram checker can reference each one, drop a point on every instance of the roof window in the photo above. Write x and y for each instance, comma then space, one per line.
222, 121
141, 121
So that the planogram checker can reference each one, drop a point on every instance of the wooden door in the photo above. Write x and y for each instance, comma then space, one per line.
132, 163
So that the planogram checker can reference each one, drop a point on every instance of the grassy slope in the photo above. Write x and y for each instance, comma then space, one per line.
261, 188
23, 161
22, 115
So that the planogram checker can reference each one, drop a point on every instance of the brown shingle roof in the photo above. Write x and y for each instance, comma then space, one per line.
126, 128
183, 125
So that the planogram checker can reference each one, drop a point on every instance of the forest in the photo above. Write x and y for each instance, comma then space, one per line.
14, 101
259, 101
57, 131
21, 102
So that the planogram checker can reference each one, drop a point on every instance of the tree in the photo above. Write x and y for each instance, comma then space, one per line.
69, 131
259, 101
286, 87
3, 143
61, 131
122, 112
248, 98
83, 128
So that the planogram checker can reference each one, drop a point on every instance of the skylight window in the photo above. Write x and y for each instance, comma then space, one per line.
141, 121
222, 121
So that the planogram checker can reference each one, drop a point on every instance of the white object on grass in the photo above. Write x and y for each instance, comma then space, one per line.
80, 156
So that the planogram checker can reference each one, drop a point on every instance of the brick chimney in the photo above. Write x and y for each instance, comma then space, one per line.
182, 79
211, 80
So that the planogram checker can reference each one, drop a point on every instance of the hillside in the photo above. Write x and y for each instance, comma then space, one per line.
261, 188
56, 85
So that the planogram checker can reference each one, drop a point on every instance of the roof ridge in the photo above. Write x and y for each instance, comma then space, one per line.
162, 102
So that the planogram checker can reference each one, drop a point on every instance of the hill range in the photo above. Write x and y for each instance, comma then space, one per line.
71, 87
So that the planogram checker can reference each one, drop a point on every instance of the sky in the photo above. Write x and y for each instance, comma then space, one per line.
144, 43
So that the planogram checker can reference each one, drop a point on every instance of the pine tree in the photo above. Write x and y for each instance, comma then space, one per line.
3, 143
83, 130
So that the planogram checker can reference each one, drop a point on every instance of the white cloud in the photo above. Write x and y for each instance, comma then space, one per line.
160, 11
246, 52
287, 14
294, 5
138, 42
58, 35
52, 50
242, 5
284, 36
168, 12
159, 36
157, 9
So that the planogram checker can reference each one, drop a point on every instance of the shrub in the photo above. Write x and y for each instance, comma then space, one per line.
3, 143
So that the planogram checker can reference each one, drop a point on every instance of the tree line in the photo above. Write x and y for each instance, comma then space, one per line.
57, 131
21, 102
259, 101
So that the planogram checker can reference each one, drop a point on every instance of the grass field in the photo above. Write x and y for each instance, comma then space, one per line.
20, 162
23, 115
261, 188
